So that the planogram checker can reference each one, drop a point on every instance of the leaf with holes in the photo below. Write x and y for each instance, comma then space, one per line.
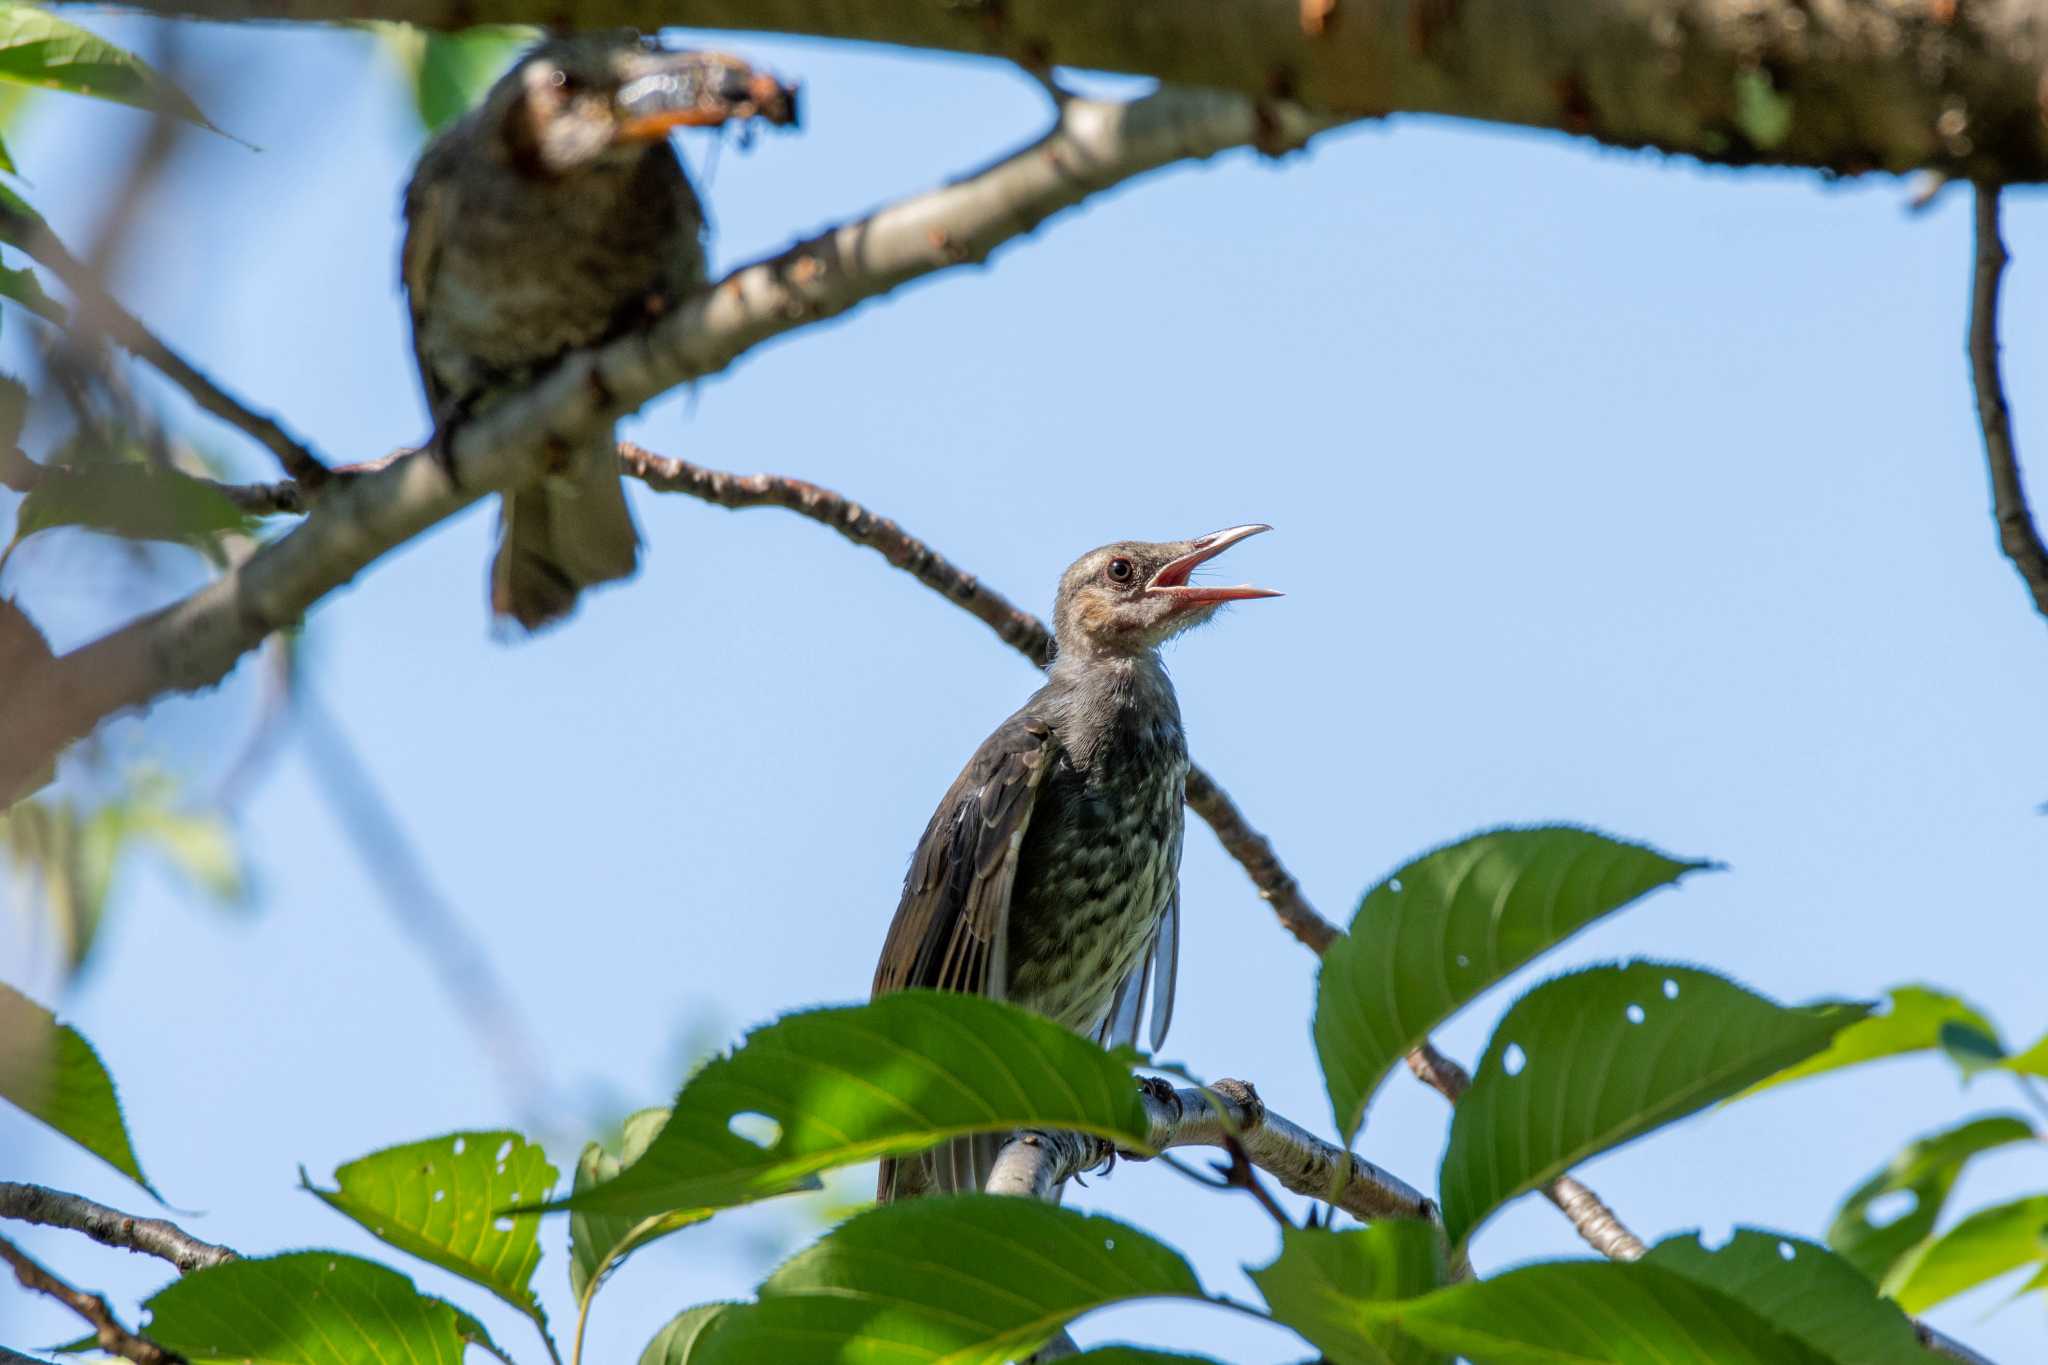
1453, 922
851, 1084
1588, 1061
1911, 1021
1595, 1313
1802, 1288
306, 1308
440, 1199
1324, 1284
1921, 1176
970, 1279
1989, 1243
676, 1342
38, 48
48, 1070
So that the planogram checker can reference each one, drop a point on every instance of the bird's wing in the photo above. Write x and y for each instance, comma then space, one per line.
951, 927
1153, 977
429, 209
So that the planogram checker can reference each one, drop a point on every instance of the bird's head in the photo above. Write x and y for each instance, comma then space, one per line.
1126, 598
582, 100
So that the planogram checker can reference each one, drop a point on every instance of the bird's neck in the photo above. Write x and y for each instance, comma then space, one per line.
1101, 696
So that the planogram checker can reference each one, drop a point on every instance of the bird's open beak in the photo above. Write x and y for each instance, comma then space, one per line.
1172, 580
699, 90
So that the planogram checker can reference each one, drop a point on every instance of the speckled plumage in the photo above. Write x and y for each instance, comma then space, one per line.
1049, 875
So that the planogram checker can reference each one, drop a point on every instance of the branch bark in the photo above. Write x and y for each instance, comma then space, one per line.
110, 1227
1094, 146
1850, 86
1035, 1163
2017, 535
106, 1328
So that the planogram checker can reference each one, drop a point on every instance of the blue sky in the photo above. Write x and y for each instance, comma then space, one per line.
1608, 488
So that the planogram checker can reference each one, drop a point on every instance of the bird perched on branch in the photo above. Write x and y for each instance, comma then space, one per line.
1049, 876
554, 216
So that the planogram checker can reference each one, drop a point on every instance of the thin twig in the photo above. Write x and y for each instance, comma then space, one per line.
106, 1329
2017, 535
1946, 1346
421, 912
1035, 1163
107, 316
110, 1227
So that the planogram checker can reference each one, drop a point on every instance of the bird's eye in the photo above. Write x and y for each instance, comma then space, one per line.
1120, 570
558, 77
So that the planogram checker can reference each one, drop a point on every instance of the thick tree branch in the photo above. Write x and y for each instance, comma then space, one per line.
1848, 86
106, 1329
1037, 1163
191, 645
2017, 535
110, 1227
104, 315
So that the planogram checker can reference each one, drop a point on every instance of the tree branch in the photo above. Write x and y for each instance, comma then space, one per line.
110, 1227
2016, 533
106, 316
1851, 86
106, 1329
192, 644
1036, 1163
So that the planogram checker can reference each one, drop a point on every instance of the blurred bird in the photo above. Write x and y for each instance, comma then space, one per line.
1049, 876
554, 216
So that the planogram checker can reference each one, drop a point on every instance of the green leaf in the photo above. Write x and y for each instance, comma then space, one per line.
1974, 1049
450, 72
1926, 1170
970, 1279
25, 287
1911, 1022
439, 1200
1453, 922
1324, 1281
1595, 1313
1761, 112
134, 501
597, 1241
306, 1308
38, 48
1987, 1244
49, 1071
678, 1338
1605, 1055
851, 1084
1804, 1289
2032, 1062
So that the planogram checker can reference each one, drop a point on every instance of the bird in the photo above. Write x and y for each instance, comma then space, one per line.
553, 216
1049, 875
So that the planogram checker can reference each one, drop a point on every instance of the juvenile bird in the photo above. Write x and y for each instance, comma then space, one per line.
551, 217
1049, 876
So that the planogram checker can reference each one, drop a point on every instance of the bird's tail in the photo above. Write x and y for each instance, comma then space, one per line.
567, 533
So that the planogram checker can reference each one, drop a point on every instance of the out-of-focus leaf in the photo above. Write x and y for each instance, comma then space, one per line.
676, 1342
970, 1279
846, 1085
23, 650
1453, 922
2032, 1062
1324, 1283
1924, 1173
598, 1242
449, 72
25, 287
1911, 1021
439, 1200
1974, 1049
135, 501
1987, 1244
1135, 1355
1585, 1062
1801, 1288
48, 1070
1595, 1313
38, 48
306, 1308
